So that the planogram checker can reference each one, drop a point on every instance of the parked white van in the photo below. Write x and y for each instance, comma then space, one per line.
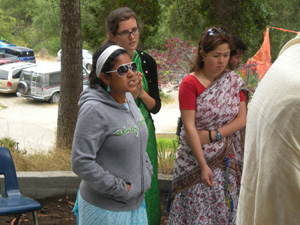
43, 82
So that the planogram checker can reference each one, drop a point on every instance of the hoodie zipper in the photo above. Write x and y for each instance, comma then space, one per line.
141, 154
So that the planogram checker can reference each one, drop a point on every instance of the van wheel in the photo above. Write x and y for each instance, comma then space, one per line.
22, 87
89, 67
54, 98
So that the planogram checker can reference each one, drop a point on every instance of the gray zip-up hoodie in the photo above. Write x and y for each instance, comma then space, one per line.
109, 151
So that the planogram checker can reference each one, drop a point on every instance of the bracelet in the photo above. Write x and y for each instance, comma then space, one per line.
209, 133
218, 135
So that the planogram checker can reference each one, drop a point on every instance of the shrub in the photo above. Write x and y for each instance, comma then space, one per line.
166, 148
52, 46
8, 143
174, 63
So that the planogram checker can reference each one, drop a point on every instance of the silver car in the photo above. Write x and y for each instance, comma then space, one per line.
87, 58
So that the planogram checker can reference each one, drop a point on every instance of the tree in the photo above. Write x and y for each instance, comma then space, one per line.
7, 22
71, 71
45, 28
286, 15
244, 18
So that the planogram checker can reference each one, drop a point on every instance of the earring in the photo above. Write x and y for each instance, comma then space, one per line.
202, 60
108, 89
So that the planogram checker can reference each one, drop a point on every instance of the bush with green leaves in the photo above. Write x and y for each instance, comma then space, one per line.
167, 149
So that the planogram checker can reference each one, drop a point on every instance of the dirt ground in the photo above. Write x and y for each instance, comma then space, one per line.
57, 210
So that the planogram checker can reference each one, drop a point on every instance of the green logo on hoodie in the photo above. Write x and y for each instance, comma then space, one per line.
127, 130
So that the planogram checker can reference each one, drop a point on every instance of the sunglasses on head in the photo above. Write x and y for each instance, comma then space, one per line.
213, 31
123, 69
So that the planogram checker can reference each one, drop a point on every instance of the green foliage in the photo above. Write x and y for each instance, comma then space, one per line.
52, 46
22, 14
6, 26
185, 19
167, 149
165, 98
36, 23
285, 15
8, 143
45, 30
22, 11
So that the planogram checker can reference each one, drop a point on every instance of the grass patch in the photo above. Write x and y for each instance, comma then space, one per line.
165, 98
56, 160
60, 159
166, 149
3, 106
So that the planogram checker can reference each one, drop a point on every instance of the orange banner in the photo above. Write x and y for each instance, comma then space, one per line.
261, 61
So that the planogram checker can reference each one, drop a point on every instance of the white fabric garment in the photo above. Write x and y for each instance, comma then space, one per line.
270, 187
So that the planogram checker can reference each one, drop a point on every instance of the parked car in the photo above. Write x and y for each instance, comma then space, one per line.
9, 57
5, 61
43, 82
5, 43
10, 75
87, 58
24, 54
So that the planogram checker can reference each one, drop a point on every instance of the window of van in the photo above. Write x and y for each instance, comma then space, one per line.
39, 81
27, 76
27, 53
8, 51
3, 75
16, 53
16, 74
54, 79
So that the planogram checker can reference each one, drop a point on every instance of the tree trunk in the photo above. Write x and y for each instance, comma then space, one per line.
71, 71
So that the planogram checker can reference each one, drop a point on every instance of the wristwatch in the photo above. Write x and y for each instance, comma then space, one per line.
218, 135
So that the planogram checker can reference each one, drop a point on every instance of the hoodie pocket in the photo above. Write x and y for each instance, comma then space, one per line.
129, 196
133, 192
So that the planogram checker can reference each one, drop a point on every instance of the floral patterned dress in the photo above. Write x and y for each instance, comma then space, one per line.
192, 201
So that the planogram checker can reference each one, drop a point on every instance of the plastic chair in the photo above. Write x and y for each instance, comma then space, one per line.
14, 203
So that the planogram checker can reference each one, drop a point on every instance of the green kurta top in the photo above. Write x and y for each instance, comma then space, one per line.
152, 196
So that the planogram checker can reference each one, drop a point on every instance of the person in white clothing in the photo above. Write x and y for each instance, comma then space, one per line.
270, 187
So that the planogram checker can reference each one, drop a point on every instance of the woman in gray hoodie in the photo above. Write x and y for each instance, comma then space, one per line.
109, 145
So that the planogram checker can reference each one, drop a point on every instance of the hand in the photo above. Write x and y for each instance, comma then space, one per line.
138, 85
128, 187
139, 81
207, 177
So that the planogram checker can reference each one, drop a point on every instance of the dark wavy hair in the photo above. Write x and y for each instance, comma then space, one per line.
209, 41
238, 46
114, 18
109, 64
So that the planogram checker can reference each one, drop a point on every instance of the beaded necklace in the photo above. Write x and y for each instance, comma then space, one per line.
125, 103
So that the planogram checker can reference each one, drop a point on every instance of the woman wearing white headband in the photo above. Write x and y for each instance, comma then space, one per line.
109, 145
123, 29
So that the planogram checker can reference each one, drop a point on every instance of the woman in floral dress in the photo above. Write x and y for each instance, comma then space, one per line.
207, 173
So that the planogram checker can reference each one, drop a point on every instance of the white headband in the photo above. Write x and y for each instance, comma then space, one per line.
103, 57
